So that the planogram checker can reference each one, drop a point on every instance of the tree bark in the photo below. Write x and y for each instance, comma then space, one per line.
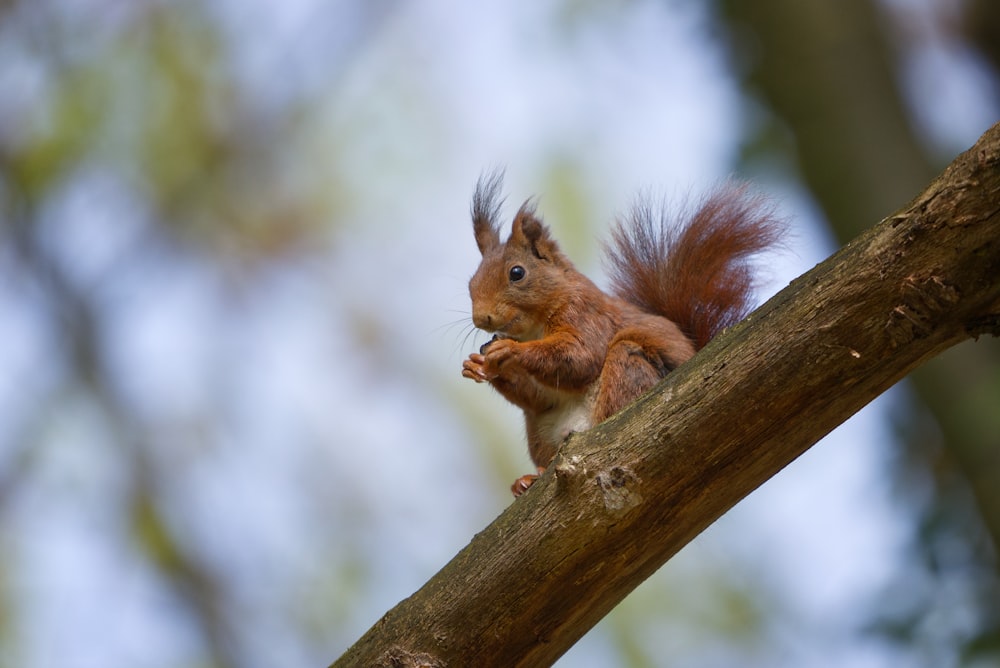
622, 498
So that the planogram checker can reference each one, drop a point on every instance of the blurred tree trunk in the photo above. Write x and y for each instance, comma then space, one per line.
826, 69
982, 25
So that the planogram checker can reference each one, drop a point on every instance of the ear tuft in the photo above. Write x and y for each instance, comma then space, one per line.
486, 202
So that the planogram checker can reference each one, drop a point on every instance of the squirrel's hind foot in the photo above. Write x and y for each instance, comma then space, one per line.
522, 484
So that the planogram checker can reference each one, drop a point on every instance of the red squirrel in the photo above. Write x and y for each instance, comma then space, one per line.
568, 354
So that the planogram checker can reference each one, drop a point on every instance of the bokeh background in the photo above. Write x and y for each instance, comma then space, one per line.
234, 245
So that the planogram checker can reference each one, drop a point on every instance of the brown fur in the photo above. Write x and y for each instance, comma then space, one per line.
694, 272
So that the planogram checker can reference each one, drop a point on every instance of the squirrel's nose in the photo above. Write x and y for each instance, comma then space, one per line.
483, 321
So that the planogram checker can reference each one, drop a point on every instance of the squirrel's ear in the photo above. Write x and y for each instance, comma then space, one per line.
486, 210
487, 236
529, 231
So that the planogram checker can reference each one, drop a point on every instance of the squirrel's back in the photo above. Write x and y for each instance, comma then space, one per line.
694, 271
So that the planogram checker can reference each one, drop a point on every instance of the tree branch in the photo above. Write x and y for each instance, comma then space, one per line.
622, 498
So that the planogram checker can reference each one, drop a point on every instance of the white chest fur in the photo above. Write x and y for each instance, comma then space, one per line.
571, 413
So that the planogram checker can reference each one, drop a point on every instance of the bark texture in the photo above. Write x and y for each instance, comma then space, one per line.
625, 496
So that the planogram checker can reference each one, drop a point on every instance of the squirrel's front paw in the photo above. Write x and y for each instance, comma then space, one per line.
473, 368
497, 354
483, 348
484, 368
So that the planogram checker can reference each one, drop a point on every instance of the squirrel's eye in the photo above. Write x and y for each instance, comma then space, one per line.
517, 272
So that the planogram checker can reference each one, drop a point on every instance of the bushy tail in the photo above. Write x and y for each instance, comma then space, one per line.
696, 272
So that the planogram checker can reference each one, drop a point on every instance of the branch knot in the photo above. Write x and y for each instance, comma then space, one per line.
617, 486
923, 302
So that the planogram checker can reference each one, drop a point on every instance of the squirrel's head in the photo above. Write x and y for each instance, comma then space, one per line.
516, 286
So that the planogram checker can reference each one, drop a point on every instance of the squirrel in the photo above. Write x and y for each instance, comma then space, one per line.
570, 355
